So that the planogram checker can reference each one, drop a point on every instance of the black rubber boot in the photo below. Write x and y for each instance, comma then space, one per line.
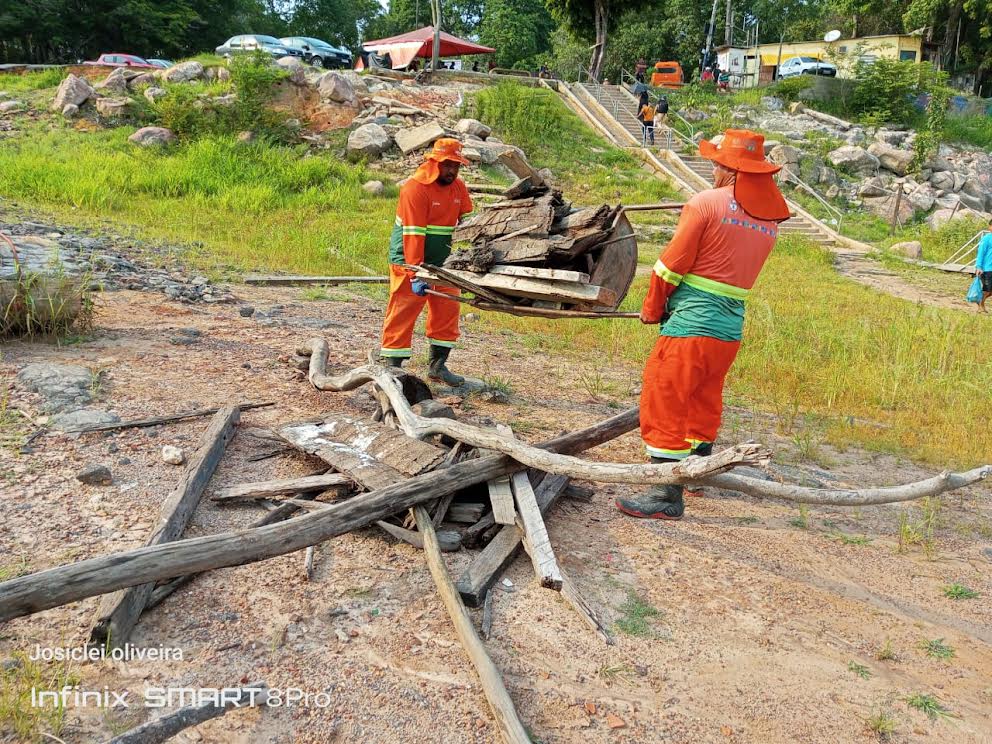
439, 370
658, 502
392, 361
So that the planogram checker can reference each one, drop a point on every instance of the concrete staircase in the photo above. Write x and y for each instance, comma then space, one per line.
615, 107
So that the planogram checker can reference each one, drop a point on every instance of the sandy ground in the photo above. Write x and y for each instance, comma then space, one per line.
744, 630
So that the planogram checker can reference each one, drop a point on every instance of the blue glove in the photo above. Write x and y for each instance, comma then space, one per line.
419, 287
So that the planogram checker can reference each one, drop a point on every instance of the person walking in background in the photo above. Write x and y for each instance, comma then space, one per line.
431, 202
983, 267
661, 112
639, 69
647, 114
697, 293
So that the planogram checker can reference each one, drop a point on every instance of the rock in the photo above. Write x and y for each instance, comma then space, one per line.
223, 74
246, 137
883, 206
74, 90
153, 136
890, 137
335, 87
10, 107
70, 110
64, 387
891, 158
115, 83
183, 72
826, 175
973, 187
922, 197
939, 164
978, 203
833, 192
376, 188
855, 136
95, 475
154, 93
784, 155
112, 107
853, 159
246, 311
173, 455
83, 417
942, 180
472, 154
947, 201
289, 62
143, 80
770, 144
694, 115
959, 181
908, 248
875, 186
417, 138
941, 217
368, 141
796, 107
772, 103
473, 127
433, 409
471, 317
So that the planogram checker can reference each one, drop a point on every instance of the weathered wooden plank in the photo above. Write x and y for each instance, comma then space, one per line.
468, 513
489, 565
69, 583
119, 612
537, 289
281, 487
158, 420
492, 223
500, 492
510, 726
534, 272
519, 166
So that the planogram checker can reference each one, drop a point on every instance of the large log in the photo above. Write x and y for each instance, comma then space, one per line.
69, 583
119, 612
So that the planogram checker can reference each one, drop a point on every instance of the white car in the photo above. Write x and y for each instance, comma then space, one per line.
806, 66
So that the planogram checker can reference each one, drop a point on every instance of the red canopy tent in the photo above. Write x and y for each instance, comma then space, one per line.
420, 43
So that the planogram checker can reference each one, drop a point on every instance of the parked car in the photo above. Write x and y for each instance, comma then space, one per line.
163, 63
122, 60
319, 53
806, 66
252, 42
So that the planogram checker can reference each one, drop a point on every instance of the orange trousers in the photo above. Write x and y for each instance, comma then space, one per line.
682, 394
403, 310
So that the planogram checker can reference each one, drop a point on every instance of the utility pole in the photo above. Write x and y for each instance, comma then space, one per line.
436, 50
728, 34
709, 38
781, 40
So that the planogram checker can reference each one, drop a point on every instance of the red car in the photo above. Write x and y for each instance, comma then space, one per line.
122, 60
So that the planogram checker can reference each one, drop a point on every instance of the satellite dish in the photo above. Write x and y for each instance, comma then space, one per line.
831, 36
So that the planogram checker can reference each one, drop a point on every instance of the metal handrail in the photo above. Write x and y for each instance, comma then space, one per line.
831, 209
966, 248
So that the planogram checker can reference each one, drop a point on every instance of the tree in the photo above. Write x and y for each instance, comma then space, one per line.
582, 15
336, 21
519, 30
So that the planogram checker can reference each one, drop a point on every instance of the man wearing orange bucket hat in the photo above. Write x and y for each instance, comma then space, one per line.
697, 293
431, 203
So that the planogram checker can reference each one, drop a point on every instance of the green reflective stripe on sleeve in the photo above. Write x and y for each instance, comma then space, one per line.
395, 352
714, 287
440, 229
667, 274
670, 454
445, 344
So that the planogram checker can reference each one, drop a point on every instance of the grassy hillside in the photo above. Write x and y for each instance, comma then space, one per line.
830, 358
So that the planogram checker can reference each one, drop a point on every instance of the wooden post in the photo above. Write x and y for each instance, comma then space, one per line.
895, 208
119, 612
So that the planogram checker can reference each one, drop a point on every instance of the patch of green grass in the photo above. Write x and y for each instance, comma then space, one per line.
928, 704
21, 567
937, 649
882, 724
847, 539
859, 669
498, 384
29, 81
31, 723
970, 130
637, 617
312, 294
611, 673
921, 531
802, 521
886, 652
747, 520
959, 591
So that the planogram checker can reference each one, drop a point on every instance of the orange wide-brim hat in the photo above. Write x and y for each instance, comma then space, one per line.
445, 148
755, 190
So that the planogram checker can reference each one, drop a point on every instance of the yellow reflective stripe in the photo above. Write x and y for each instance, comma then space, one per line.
384, 352
714, 287
670, 454
399, 221
414, 230
666, 274
445, 344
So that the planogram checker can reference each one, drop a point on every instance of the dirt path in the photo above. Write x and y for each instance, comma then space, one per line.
746, 622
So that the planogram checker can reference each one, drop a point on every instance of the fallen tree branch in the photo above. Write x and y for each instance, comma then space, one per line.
156, 420
164, 728
63, 584
510, 725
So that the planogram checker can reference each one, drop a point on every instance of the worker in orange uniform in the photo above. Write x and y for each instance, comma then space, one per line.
697, 293
431, 202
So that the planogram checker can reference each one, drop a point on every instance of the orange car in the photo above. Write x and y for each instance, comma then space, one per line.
667, 75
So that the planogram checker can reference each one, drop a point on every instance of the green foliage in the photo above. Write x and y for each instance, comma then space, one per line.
44, 304
28, 81
959, 591
637, 618
791, 89
254, 77
937, 649
882, 724
929, 136
975, 129
859, 669
928, 704
519, 30
885, 87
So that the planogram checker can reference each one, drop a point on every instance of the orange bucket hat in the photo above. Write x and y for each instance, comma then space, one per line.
445, 148
755, 190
